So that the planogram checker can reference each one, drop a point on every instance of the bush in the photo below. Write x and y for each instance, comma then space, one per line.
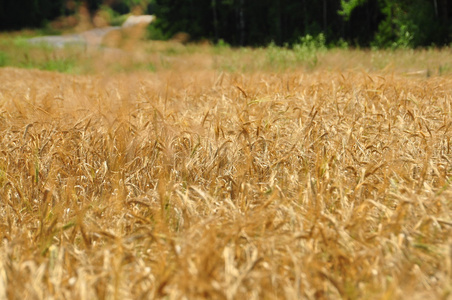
3, 59
304, 52
408, 26
155, 33
308, 48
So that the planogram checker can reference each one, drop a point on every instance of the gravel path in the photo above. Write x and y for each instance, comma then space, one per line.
91, 37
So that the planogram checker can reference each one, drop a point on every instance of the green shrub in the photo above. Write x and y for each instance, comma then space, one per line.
4, 58
305, 52
157, 34
65, 65
308, 48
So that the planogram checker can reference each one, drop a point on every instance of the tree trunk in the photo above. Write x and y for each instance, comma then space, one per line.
305, 17
279, 37
444, 11
215, 19
241, 24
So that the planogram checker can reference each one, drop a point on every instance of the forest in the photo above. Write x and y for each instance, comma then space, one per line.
357, 23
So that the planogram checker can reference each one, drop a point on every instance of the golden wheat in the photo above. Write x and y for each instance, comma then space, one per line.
197, 183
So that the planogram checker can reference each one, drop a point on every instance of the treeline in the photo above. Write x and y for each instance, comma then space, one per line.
363, 23
19, 14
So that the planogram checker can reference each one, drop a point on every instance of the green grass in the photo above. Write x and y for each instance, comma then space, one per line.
16, 51
4, 59
309, 54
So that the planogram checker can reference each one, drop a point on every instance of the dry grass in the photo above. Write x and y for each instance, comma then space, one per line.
194, 183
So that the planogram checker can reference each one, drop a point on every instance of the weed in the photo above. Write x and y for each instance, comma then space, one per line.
4, 59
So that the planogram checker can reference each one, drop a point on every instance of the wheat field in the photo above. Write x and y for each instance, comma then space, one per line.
205, 183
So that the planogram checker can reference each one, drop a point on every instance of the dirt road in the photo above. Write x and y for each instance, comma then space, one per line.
92, 38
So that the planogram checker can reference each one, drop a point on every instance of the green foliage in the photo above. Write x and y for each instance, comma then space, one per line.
377, 23
408, 25
279, 57
303, 53
118, 20
347, 7
223, 48
21, 42
341, 44
4, 59
405, 24
311, 44
308, 48
17, 51
156, 33
47, 29
36, 13
28, 13
113, 17
63, 65
134, 3
222, 44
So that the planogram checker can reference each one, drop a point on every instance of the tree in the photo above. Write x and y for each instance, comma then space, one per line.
406, 23
381, 23
28, 13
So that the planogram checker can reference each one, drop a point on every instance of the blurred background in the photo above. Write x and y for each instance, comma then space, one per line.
356, 23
